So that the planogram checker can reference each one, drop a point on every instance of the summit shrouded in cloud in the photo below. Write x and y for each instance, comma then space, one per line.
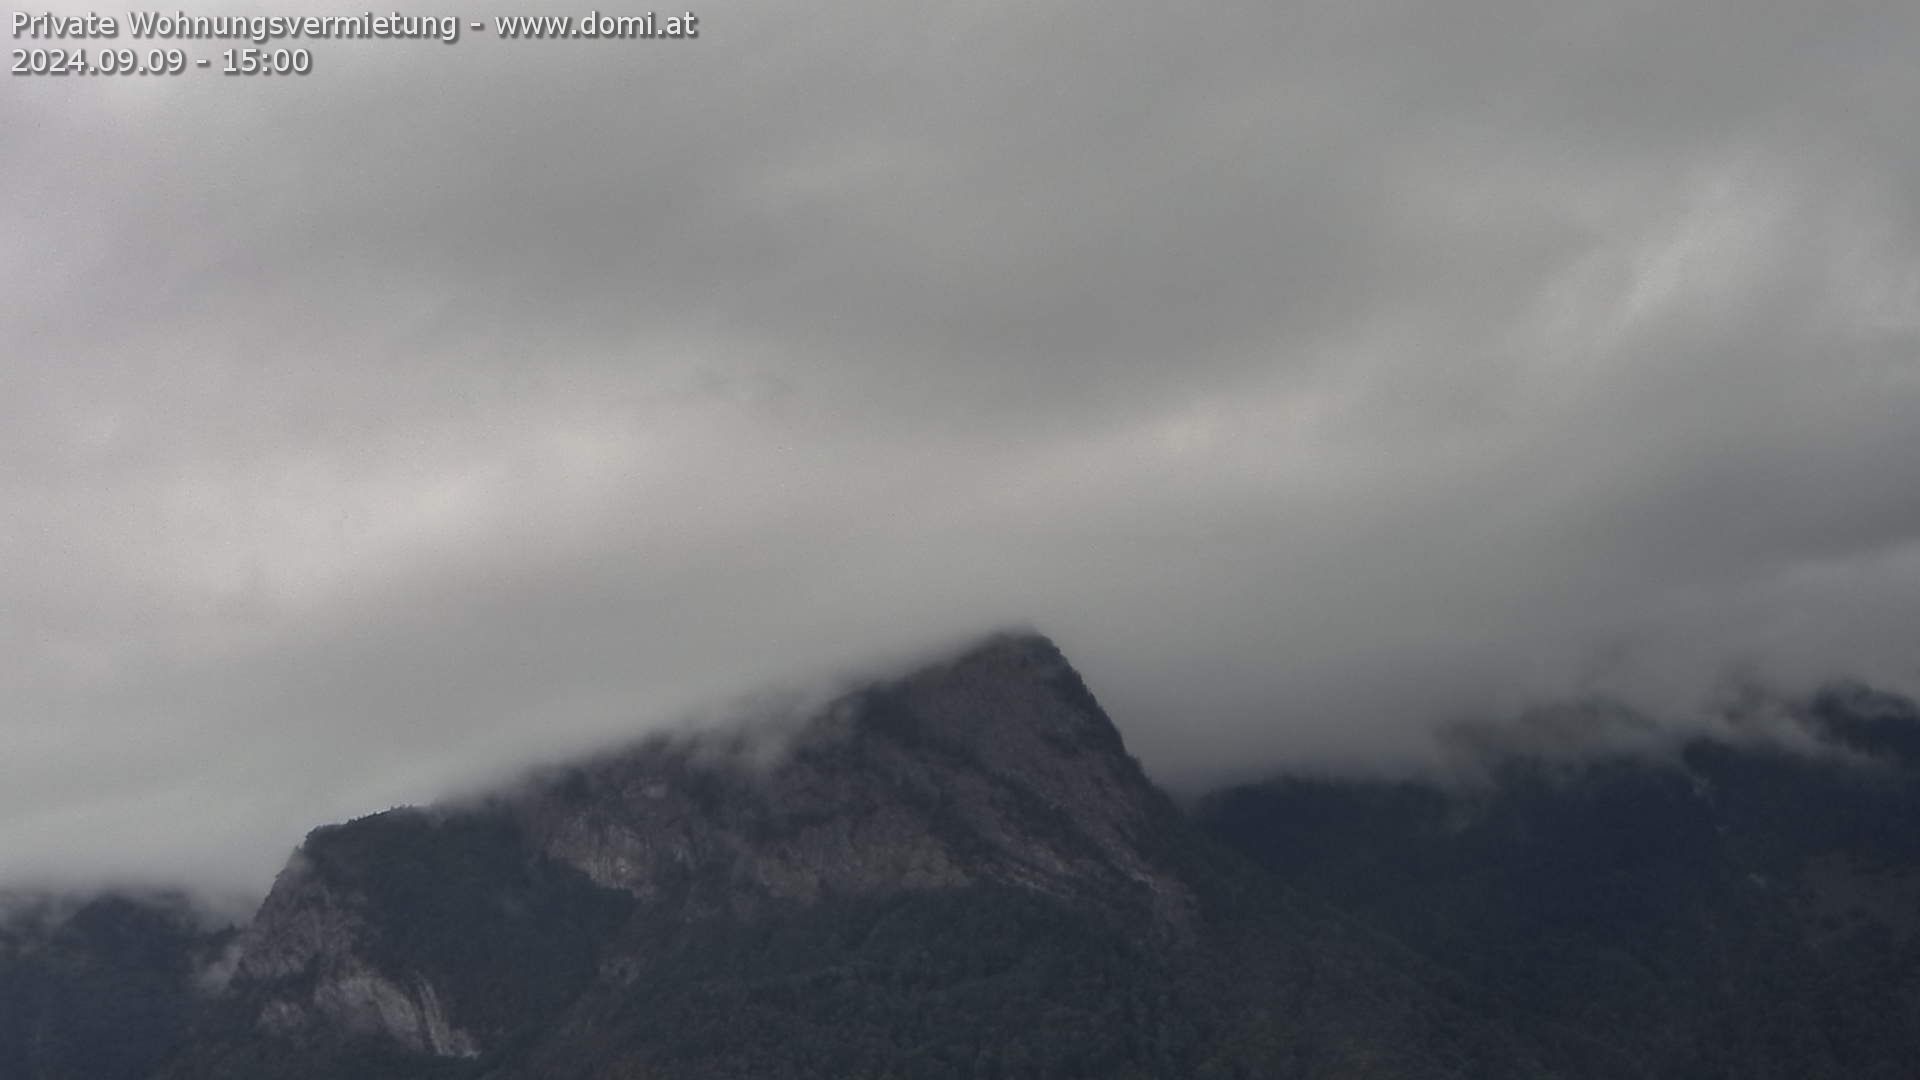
1315, 374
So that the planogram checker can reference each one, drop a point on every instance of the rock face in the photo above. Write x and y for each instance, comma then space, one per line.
997, 767
309, 942
455, 933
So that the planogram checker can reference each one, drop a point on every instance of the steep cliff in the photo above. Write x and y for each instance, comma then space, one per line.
989, 789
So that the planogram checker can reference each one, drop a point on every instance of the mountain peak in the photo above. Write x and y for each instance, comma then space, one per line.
1000, 694
993, 765
991, 772
1010, 643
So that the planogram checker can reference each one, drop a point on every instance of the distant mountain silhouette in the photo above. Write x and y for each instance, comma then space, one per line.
1727, 908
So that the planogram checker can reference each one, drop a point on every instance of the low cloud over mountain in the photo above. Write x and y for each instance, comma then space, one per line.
1317, 377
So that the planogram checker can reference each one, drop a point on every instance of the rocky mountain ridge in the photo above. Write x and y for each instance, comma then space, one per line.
993, 771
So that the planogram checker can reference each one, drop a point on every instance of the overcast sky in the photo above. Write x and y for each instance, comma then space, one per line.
1313, 373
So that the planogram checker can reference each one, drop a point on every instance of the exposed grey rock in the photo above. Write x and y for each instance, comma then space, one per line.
996, 767
308, 942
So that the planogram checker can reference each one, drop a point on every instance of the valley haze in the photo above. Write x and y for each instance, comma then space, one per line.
1320, 377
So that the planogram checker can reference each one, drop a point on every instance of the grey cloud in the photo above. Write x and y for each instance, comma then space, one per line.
1315, 375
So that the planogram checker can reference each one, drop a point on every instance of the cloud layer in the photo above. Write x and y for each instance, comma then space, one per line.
1314, 375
